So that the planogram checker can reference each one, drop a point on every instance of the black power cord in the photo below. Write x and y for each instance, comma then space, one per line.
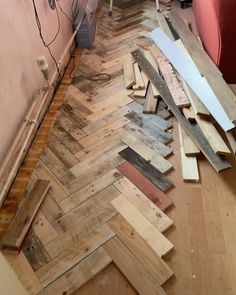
47, 45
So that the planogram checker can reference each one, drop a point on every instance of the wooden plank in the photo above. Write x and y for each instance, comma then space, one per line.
206, 67
149, 127
157, 217
16, 233
153, 237
105, 120
80, 230
141, 182
212, 135
197, 105
150, 103
139, 84
150, 58
85, 209
164, 25
156, 266
153, 174
136, 273
147, 153
189, 164
160, 122
189, 113
128, 69
72, 256
190, 148
218, 163
192, 76
176, 90
84, 194
80, 274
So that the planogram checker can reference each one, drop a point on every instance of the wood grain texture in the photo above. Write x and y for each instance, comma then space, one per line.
135, 272
153, 174
141, 182
206, 67
154, 238
20, 225
216, 161
150, 103
156, 266
157, 217
128, 69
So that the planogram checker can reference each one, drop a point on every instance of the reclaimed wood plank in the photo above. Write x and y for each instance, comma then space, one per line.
133, 270
217, 162
18, 229
156, 216
153, 174
160, 199
156, 266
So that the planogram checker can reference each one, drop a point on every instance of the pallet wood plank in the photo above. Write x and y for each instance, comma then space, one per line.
157, 217
206, 66
190, 148
149, 127
154, 238
133, 270
69, 258
160, 199
150, 103
139, 84
189, 164
148, 154
212, 135
156, 266
218, 163
80, 230
150, 58
152, 173
80, 274
128, 69
16, 233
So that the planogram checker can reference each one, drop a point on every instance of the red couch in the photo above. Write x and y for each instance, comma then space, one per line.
216, 23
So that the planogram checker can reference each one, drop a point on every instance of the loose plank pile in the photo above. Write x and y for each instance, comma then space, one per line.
198, 132
106, 163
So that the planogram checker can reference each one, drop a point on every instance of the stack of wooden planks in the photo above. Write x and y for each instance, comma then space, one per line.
187, 93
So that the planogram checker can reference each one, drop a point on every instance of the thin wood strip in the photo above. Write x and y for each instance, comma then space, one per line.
190, 148
189, 164
150, 103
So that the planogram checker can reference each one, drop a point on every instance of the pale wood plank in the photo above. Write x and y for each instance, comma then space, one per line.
152, 61
143, 226
20, 225
147, 153
150, 103
189, 164
139, 84
134, 271
128, 69
157, 217
190, 148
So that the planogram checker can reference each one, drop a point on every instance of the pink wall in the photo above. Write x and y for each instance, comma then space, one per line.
20, 45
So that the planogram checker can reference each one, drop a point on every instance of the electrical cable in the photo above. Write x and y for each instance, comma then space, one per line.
64, 12
47, 45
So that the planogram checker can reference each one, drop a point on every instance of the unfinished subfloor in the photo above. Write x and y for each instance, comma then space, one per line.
204, 214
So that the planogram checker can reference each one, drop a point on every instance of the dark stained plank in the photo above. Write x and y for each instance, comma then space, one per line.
160, 199
149, 127
220, 164
34, 251
18, 229
153, 174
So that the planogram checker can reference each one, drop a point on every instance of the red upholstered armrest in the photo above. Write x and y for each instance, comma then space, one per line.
216, 23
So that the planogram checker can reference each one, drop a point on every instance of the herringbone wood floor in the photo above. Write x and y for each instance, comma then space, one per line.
204, 215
